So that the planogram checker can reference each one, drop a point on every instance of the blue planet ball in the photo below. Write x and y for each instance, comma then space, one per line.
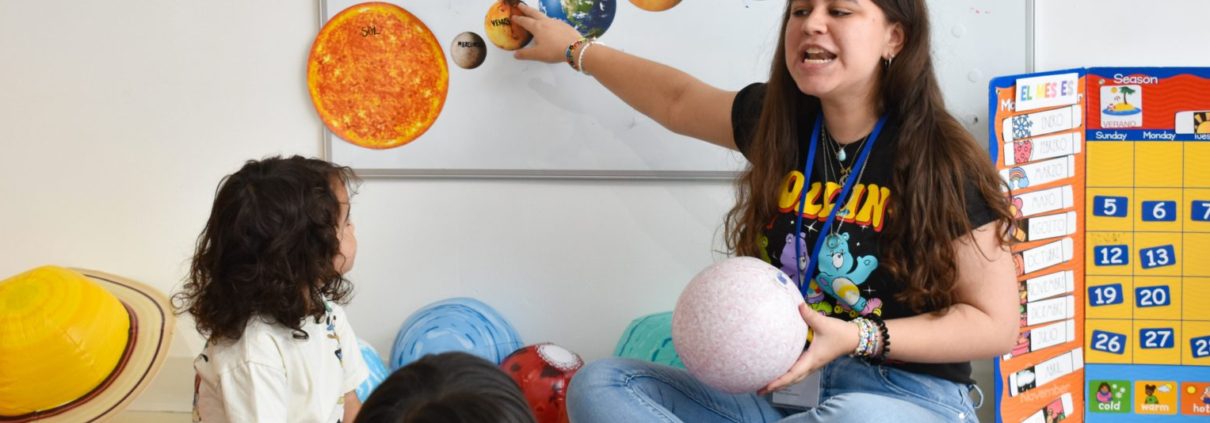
649, 338
591, 17
378, 370
457, 324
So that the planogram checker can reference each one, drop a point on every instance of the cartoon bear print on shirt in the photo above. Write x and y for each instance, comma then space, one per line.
840, 274
789, 257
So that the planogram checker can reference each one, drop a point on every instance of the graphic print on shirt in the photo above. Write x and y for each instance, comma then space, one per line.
330, 319
791, 262
844, 264
840, 274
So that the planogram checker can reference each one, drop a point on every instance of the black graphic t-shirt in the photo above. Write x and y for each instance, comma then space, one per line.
848, 281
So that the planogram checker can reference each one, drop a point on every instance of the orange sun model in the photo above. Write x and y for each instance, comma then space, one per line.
377, 76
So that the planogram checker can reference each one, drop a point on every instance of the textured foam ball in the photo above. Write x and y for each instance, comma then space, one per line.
378, 370
736, 326
543, 372
649, 338
456, 324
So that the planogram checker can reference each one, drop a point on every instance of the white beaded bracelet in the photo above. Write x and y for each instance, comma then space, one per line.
580, 59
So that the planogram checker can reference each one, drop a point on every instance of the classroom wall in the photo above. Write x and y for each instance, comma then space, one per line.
117, 120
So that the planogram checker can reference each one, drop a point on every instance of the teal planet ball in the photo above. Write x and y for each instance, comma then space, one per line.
649, 338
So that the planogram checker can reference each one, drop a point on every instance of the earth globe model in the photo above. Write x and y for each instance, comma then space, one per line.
591, 17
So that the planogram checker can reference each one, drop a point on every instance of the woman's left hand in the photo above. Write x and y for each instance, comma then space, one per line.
832, 338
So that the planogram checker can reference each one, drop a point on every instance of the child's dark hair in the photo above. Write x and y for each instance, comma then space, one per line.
268, 246
451, 387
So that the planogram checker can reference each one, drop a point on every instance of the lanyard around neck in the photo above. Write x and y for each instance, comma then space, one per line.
837, 206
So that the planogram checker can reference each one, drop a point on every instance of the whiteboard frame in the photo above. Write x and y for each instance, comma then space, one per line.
327, 138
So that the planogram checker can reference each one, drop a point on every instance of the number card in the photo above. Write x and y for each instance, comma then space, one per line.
1200, 347
1110, 342
1157, 256
1110, 206
1152, 296
1103, 295
1199, 210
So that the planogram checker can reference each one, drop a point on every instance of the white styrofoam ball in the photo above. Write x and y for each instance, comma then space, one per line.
736, 326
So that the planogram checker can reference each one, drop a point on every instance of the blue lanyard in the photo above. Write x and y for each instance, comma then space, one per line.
837, 206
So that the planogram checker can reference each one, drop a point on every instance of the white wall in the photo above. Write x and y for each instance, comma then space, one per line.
117, 120
1090, 33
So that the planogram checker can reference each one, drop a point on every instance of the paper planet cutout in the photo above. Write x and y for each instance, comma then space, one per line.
377, 76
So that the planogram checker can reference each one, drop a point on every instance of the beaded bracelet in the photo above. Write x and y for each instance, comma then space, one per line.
885, 342
570, 49
867, 337
580, 60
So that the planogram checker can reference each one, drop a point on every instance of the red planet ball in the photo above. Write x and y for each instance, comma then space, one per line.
543, 371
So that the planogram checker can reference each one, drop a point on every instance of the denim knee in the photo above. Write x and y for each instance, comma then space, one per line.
603, 373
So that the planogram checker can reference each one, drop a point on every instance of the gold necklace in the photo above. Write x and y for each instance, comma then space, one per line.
842, 174
840, 153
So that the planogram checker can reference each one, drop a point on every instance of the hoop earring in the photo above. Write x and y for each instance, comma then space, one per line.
887, 61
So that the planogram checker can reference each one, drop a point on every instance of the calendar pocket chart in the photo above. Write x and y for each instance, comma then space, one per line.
1108, 170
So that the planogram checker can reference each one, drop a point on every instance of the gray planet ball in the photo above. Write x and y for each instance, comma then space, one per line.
468, 50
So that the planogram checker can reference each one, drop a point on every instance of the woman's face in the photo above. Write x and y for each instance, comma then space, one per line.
834, 48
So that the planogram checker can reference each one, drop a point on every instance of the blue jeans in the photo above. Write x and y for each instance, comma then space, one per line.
623, 390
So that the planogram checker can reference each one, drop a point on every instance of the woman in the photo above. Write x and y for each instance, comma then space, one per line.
915, 249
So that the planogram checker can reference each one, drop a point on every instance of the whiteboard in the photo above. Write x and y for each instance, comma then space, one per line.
509, 118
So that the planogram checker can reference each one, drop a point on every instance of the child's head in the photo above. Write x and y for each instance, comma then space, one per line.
1104, 387
277, 243
452, 387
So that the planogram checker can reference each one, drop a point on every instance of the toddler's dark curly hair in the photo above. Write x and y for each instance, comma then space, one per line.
267, 250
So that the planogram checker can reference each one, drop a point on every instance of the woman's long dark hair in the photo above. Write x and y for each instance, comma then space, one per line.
267, 248
936, 160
